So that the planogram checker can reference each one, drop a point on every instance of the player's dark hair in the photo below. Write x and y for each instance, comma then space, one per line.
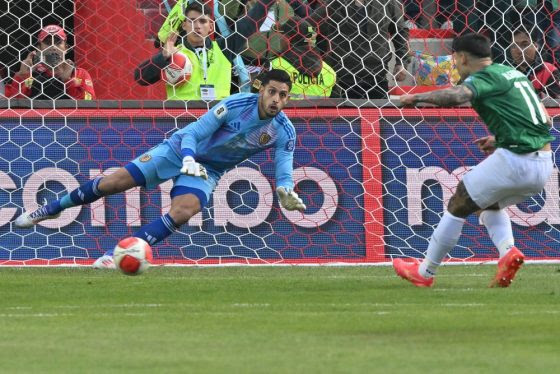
275, 75
474, 44
197, 6
523, 30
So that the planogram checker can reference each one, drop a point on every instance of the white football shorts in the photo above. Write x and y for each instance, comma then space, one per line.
508, 178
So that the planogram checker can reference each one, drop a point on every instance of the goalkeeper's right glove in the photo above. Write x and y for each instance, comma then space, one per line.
289, 199
193, 168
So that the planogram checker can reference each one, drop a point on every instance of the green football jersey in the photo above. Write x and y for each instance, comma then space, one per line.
505, 100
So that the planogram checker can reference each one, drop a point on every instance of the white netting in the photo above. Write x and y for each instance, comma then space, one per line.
375, 178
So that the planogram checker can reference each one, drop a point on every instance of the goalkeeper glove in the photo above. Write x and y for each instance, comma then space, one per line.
193, 168
289, 199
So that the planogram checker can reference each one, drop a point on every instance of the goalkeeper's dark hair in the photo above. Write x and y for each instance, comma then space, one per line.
198, 6
274, 75
474, 44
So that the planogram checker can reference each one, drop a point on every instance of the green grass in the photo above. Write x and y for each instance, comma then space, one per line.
277, 320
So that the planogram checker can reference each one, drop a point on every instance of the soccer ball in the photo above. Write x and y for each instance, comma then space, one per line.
178, 71
132, 256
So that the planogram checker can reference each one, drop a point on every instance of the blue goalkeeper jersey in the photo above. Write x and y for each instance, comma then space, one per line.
231, 132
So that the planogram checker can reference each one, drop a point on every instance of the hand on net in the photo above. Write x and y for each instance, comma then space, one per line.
290, 200
191, 167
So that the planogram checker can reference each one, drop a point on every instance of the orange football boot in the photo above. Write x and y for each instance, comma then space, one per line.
409, 271
507, 268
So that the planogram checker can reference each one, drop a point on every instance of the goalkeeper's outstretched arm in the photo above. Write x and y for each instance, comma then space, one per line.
447, 97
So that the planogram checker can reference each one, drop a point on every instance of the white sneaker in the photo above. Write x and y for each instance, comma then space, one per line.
410, 24
104, 262
447, 25
27, 220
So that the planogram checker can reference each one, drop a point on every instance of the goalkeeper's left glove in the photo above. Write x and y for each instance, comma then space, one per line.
193, 168
289, 199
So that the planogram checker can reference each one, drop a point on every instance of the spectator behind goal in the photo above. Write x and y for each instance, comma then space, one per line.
312, 78
208, 81
46, 74
526, 58
359, 33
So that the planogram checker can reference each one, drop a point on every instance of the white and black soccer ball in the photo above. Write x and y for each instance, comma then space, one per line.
178, 71
132, 256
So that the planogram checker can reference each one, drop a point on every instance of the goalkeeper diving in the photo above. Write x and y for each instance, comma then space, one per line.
195, 158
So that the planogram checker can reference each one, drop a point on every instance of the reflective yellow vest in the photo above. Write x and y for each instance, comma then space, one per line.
304, 86
218, 75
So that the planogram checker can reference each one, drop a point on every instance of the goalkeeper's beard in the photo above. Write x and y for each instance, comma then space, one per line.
272, 110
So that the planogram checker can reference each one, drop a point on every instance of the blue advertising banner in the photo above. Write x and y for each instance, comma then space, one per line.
423, 160
375, 183
42, 157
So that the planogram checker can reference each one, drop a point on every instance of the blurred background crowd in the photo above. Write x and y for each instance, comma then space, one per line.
353, 49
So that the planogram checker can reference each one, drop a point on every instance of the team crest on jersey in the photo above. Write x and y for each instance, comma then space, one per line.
220, 111
290, 145
145, 158
265, 138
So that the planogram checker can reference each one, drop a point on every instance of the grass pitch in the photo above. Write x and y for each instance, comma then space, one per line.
277, 320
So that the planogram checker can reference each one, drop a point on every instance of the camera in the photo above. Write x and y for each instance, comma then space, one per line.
51, 59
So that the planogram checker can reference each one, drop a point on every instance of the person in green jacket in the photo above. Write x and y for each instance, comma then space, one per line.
312, 77
211, 60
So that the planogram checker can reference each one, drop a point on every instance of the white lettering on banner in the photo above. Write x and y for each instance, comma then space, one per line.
36, 180
6, 183
223, 214
416, 178
330, 198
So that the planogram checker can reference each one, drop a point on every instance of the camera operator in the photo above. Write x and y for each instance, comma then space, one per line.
47, 74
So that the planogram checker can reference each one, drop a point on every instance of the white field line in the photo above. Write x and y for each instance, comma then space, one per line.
34, 315
519, 313
246, 305
95, 306
329, 264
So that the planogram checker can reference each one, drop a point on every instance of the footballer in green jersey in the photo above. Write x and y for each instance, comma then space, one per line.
518, 166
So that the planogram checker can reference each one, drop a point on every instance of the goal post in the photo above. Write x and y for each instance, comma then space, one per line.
375, 177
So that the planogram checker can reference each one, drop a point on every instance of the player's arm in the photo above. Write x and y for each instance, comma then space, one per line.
548, 118
284, 161
194, 133
447, 97
202, 129
149, 71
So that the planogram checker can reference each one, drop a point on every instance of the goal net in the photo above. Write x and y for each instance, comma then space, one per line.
375, 177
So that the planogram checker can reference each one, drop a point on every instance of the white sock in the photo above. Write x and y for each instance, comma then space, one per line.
498, 224
443, 240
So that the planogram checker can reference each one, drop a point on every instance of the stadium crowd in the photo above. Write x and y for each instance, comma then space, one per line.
354, 49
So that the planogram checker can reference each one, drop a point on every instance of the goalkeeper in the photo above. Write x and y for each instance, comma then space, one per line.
518, 167
195, 157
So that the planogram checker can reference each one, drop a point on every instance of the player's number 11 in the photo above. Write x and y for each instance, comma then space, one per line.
526, 91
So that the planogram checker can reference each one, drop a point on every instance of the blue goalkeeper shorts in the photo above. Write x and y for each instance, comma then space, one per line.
161, 164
